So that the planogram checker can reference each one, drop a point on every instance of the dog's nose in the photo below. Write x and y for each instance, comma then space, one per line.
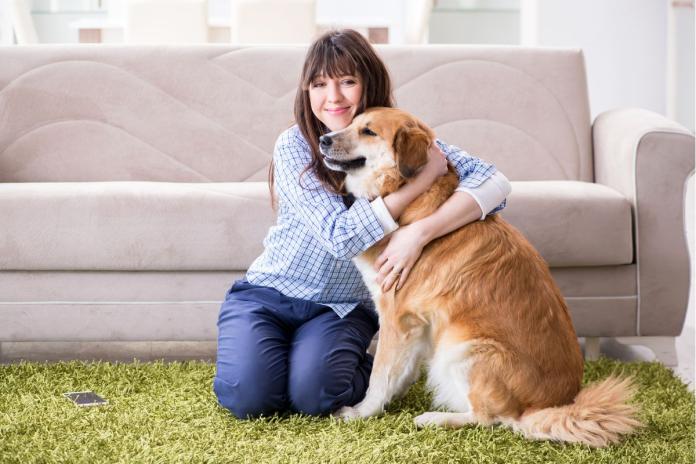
325, 141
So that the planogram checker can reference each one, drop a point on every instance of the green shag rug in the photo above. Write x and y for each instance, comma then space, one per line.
167, 412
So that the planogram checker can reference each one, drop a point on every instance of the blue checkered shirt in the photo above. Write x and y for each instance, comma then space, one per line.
308, 252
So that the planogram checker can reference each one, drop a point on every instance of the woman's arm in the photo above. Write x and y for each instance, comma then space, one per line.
474, 199
396, 202
459, 209
463, 207
406, 243
344, 232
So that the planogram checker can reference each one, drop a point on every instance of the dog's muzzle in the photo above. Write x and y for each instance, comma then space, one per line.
334, 158
344, 165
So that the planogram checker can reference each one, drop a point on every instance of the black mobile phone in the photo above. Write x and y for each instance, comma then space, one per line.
86, 398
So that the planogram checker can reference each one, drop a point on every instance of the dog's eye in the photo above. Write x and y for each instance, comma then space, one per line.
367, 131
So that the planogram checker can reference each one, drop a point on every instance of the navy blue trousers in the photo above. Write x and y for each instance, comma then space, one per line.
281, 354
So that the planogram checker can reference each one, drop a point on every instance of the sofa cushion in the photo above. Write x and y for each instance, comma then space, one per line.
148, 226
133, 225
573, 223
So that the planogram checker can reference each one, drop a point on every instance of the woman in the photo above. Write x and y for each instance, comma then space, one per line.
293, 334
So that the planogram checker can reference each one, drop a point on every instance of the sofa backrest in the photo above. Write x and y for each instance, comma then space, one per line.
212, 113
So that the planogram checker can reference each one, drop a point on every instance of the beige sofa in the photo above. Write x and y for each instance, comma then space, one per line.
132, 182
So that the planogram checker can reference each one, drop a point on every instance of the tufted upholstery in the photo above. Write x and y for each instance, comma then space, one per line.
212, 113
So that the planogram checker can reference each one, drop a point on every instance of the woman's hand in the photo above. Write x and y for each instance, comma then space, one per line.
406, 244
434, 168
397, 259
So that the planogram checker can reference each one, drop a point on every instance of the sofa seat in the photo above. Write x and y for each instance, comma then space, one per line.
573, 224
135, 226
162, 226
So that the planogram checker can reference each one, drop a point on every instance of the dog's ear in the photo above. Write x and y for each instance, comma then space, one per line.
411, 150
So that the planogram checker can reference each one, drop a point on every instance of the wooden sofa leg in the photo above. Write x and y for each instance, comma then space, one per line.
592, 348
664, 348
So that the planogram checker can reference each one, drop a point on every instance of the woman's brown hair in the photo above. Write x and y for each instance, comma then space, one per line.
335, 54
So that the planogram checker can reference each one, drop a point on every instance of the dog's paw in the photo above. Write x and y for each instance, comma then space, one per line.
444, 419
347, 413
428, 419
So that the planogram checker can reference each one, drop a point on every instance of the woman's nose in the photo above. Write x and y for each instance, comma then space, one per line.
335, 94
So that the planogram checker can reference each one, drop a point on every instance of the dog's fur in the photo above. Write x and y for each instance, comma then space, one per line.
480, 306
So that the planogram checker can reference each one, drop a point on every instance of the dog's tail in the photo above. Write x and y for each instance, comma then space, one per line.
599, 416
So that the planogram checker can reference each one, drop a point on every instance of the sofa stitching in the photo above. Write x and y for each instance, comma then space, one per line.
141, 79
555, 160
541, 85
635, 149
263, 168
284, 95
62, 121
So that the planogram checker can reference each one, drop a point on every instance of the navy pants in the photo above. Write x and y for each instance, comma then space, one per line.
277, 354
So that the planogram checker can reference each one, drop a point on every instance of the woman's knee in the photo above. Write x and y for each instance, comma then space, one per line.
246, 400
319, 391
329, 371
309, 396
251, 371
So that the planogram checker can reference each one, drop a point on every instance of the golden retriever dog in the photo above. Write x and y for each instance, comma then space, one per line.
479, 307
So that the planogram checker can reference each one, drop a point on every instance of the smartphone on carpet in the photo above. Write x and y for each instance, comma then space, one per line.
86, 398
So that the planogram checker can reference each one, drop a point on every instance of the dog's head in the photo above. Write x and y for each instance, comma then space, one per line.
379, 151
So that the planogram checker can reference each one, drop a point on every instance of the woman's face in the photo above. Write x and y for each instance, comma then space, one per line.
335, 100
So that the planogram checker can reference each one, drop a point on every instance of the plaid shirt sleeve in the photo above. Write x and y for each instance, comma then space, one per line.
472, 171
344, 232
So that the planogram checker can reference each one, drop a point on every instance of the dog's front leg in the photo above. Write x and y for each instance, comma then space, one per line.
393, 371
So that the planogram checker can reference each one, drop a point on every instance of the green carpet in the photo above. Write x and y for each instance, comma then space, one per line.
167, 413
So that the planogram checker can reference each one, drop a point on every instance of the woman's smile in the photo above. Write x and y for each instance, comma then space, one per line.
336, 111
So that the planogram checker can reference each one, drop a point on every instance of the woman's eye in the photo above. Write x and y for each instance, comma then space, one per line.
317, 84
349, 82
367, 131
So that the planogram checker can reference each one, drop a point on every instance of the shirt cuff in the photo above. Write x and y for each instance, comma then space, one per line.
384, 217
490, 193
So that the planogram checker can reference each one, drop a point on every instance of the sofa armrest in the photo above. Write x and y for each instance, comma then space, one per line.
648, 159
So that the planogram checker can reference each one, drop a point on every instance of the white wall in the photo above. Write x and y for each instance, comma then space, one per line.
624, 41
680, 63
6, 32
364, 13
475, 26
